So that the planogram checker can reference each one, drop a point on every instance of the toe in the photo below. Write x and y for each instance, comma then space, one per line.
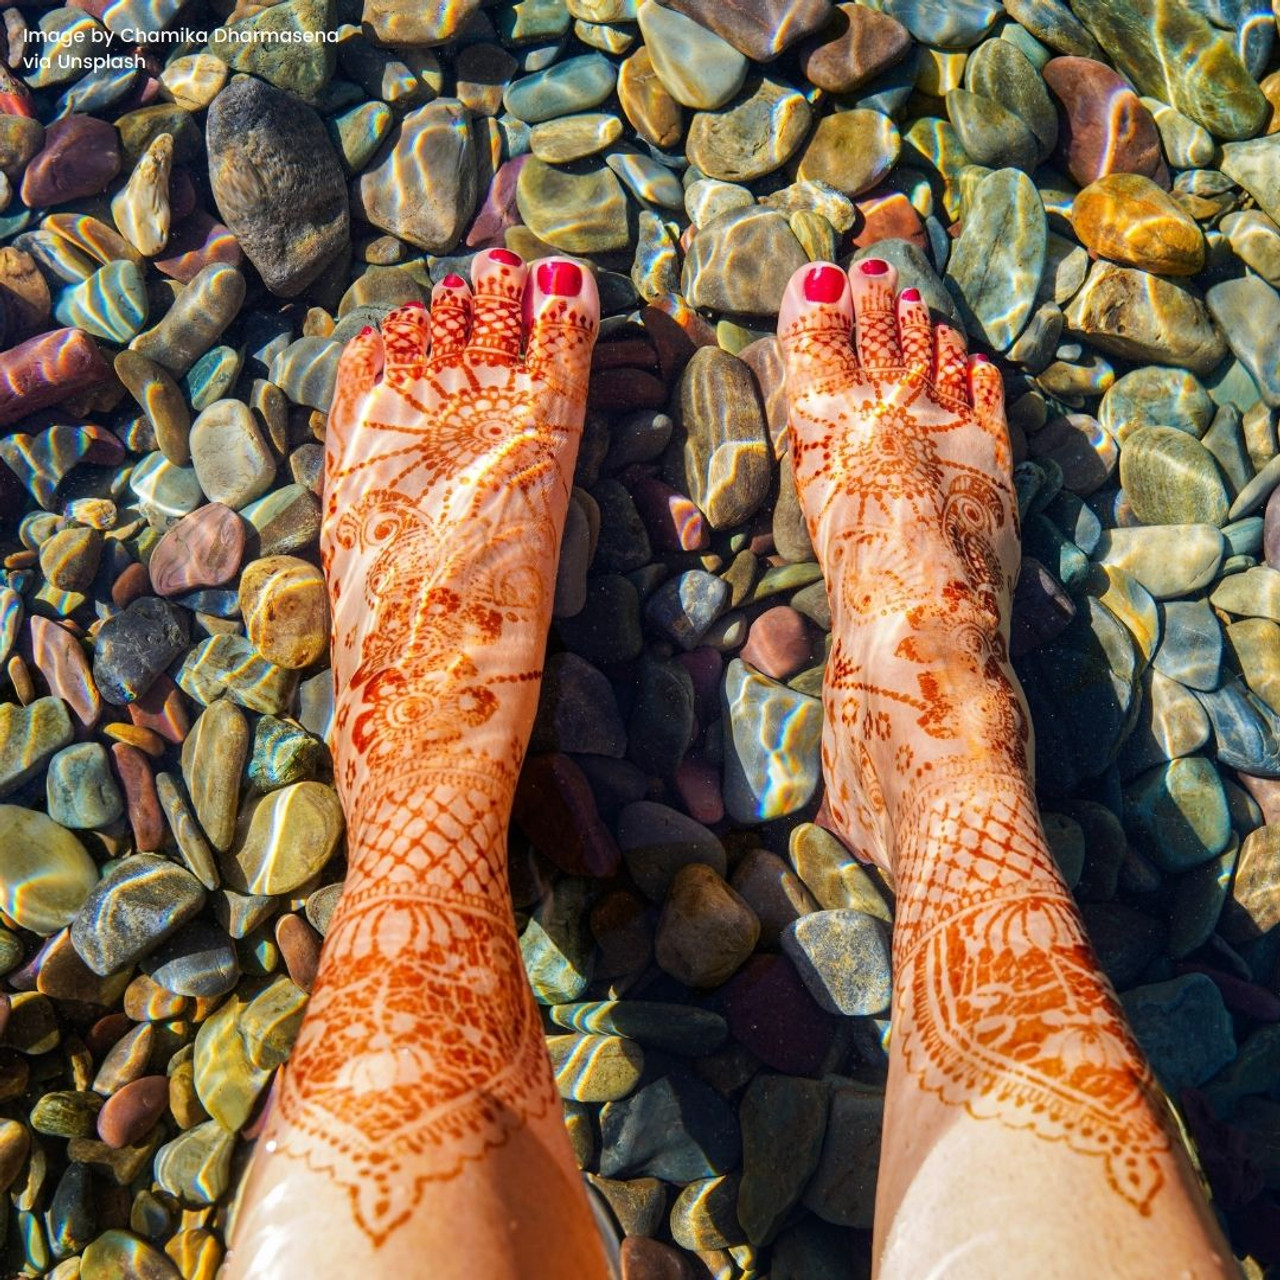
358, 370
404, 343
915, 333
986, 390
874, 282
951, 362
450, 318
498, 280
815, 328
564, 315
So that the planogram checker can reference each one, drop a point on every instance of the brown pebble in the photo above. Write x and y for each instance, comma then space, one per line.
645, 1259
145, 1000
626, 389
20, 678
146, 818
152, 743
126, 1060
299, 944
106, 1032
132, 1112
132, 583
163, 710
779, 643
15, 1141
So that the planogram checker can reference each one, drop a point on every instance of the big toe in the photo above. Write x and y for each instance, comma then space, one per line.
815, 327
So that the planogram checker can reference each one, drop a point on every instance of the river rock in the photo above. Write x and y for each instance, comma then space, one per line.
1248, 310
1131, 220
742, 262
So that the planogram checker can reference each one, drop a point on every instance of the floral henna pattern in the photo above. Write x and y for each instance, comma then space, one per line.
449, 463
903, 467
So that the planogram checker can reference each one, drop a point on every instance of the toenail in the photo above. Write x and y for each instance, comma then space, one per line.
453, 282
365, 332
561, 279
910, 295
505, 256
873, 266
979, 358
824, 284
414, 302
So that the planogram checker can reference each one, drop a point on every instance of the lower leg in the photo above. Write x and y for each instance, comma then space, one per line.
1024, 1133
417, 1129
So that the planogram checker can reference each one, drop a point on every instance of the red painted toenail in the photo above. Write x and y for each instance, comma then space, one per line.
979, 358
413, 302
365, 332
824, 284
454, 282
561, 279
873, 266
505, 256
910, 295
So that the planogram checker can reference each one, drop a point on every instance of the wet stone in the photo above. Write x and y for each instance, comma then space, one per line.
1153, 396
658, 841
594, 1068
202, 549
45, 875
581, 212
741, 262
28, 738
79, 157
1171, 478
131, 1112
752, 136
285, 606
706, 930
111, 304
568, 87
196, 1165
1131, 220
135, 646
1177, 813
199, 960
843, 958
854, 46
132, 910
850, 151
1183, 1027
842, 1190
1248, 311
229, 665
232, 462
292, 835
282, 753
81, 791
696, 67
270, 1023
684, 608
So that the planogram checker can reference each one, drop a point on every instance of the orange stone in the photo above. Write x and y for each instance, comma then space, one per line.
1130, 220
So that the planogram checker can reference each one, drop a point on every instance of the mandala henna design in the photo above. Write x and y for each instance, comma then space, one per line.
902, 464
447, 482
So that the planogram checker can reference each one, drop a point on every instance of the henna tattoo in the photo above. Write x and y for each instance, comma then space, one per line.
904, 477
447, 482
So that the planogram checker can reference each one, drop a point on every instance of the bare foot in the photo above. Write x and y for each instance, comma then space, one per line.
1018, 1102
420, 1073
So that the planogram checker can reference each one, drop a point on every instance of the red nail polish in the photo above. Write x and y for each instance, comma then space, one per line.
910, 295
561, 279
454, 282
824, 284
873, 266
505, 256
414, 302
979, 358
365, 332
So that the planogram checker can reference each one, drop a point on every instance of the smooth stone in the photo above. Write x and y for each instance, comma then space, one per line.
213, 756
649, 181
111, 304
131, 1112
990, 133
195, 79
1177, 813
1085, 452
1253, 907
1005, 74
574, 85
662, 720
1187, 145
760, 29
44, 371
199, 960
1176, 56
855, 46
719, 453
203, 549
1106, 129
842, 1189
121, 1253
696, 67
1255, 240
1171, 478
741, 262
684, 608
580, 212
850, 151
1248, 311
193, 847
577, 710
81, 792
956, 25
1253, 643
395, 23
753, 136
570, 138
141, 208
282, 753
436, 147
271, 1021
138, 904
285, 605
1191, 646
165, 489
706, 930
658, 841
79, 157
292, 219
771, 748
1131, 220
1170, 724
1255, 165
1246, 731
196, 320
1252, 594
292, 834
45, 875
654, 114
996, 265
779, 643
1184, 1029
1154, 396
161, 400
843, 958
29, 736
69, 560
1143, 317
594, 1068
135, 646
672, 1028
226, 1080
229, 665
704, 1215
146, 818
232, 461
676, 1128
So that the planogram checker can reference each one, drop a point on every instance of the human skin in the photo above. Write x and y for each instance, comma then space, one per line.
416, 1129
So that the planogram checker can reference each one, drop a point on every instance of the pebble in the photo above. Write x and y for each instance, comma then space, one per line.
850, 151
1171, 478
1183, 1028
82, 794
684, 608
196, 1166
131, 1112
292, 833
754, 135
202, 549
111, 304
229, 665
137, 905
706, 931
591, 1068
29, 736
46, 875
842, 1190
696, 67
135, 646
843, 958
580, 212
197, 318
199, 960
742, 261
213, 757
655, 115
1177, 813
285, 606
1248, 310
79, 157
1131, 220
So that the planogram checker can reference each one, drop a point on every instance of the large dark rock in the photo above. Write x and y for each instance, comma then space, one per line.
136, 645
